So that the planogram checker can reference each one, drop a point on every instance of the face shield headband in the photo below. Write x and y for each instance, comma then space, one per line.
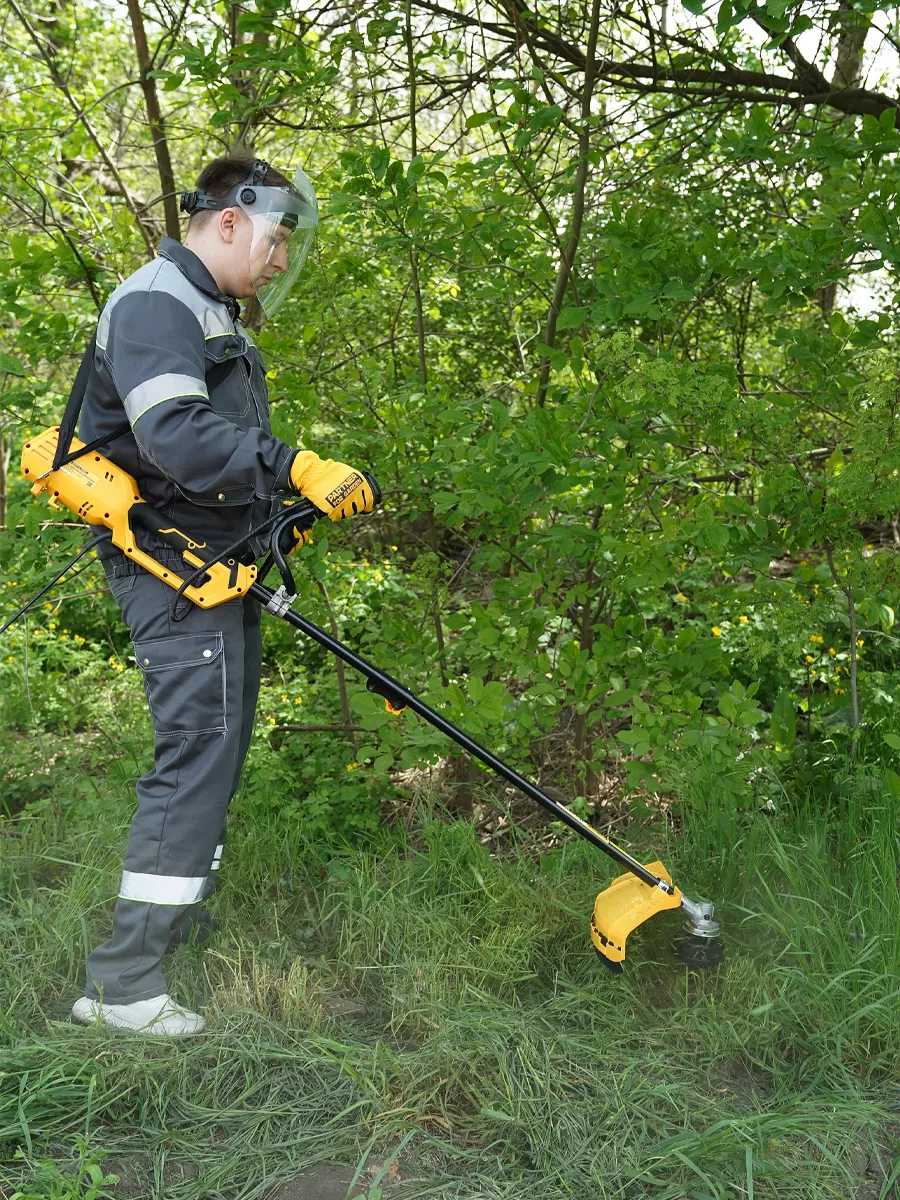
284, 224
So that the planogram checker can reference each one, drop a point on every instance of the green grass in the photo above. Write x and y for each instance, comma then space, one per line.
496, 1057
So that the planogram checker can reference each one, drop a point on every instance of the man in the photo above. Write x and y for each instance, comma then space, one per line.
173, 358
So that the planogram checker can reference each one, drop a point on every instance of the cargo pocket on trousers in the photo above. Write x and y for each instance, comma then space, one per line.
184, 677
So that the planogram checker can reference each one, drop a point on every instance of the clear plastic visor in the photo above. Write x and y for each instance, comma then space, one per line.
284, 225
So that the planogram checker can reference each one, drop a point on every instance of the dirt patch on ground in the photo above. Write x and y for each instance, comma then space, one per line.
736, 1080
875, 1163
330, 1182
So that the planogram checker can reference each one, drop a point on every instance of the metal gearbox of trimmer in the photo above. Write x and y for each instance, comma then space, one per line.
104, 495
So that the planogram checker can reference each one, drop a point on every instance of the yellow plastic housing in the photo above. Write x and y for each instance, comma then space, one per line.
103, 494
627, 903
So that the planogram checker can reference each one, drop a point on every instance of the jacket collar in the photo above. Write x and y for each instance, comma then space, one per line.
196, 271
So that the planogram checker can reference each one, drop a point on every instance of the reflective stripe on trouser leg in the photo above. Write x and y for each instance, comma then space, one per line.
217, 857
183, 800
162, 889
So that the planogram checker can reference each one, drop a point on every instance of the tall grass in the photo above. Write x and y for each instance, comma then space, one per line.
494, 1050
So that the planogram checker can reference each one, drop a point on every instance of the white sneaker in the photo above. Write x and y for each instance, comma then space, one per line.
160, 1017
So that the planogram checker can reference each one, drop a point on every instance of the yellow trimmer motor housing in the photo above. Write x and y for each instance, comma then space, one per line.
103, 494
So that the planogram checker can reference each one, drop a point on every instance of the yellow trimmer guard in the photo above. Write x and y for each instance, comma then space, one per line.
625, 904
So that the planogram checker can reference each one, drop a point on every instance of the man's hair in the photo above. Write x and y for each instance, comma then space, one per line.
222, 174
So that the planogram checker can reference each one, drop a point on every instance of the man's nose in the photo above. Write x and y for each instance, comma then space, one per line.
279, 262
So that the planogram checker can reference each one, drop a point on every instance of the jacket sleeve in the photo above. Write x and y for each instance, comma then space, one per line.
155, 353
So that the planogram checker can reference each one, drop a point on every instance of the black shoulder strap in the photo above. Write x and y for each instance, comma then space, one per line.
73, 409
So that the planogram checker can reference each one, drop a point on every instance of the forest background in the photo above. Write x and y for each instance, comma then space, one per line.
604, 294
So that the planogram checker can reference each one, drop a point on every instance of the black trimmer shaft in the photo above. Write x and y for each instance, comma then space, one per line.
399, 697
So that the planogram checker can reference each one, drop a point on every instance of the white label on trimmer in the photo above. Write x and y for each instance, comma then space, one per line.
81, 474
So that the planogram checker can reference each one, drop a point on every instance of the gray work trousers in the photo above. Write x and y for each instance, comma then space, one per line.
201, 676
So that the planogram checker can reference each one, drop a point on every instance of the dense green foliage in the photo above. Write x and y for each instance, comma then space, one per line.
604, 296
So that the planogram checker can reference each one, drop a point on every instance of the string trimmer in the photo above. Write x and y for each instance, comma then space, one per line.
104, 495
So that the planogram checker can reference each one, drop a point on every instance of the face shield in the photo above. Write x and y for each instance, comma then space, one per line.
283, 223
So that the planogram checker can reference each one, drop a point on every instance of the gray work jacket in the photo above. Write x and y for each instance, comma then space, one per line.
173, 357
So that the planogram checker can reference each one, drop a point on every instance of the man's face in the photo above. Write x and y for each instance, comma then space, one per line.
257, 250
268, 251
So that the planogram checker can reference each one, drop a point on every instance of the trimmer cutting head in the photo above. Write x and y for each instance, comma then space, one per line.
700, 943
628, 902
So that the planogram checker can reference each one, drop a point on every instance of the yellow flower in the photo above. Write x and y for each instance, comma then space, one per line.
352, 766
816, 588
271, 720
743, 619
283, 696
51, 624
832, 651
298, 701
393, 547
79, 639
809, 658
813, 674
681, 597
860, 641
377, 576
10, 658
716, 631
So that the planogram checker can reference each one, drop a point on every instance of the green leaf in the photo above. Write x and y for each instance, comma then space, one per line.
571, 318
783, 725
10, 365
727, 706
892, 740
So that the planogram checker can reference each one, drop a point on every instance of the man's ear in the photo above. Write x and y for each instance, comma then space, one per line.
227, 224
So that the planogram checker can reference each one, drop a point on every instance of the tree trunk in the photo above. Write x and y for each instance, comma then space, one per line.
571, 246
5, 451
157, 125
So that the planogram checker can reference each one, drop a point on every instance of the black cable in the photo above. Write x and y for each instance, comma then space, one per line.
284, 515
210, 562
95, 541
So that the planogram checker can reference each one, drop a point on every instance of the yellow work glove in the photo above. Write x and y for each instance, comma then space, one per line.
334, 488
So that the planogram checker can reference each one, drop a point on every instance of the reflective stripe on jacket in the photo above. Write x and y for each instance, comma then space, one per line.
173, 357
